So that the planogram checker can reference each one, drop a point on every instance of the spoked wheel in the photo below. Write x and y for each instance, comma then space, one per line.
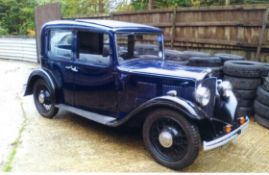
44, 99
171, 139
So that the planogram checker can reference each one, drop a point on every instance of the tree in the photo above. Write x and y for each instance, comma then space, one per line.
81, 8
143, 4
16, 16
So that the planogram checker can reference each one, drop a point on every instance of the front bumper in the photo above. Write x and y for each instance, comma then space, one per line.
226, 138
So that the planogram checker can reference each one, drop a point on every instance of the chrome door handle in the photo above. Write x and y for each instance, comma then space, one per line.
68, 67
74, 69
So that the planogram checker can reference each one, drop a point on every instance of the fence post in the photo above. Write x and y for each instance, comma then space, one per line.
173, 28
43, 14
262, 34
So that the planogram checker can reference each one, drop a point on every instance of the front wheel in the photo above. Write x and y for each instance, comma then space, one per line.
171, 139
44, 99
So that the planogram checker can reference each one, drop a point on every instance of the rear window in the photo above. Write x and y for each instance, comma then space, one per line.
60, 44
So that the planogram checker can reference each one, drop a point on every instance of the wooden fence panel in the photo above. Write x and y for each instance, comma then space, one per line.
234, 29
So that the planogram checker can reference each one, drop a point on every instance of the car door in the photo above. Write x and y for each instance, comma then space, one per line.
95, 87
60, 62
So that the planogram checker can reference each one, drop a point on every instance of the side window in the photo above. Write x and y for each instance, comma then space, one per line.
60, 44
93, 48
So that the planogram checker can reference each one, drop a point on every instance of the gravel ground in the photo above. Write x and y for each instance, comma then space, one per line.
69, 143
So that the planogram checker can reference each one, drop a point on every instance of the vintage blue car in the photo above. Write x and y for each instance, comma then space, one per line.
115, 73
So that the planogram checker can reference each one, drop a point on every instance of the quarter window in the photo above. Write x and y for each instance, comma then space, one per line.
60, 44
93, 48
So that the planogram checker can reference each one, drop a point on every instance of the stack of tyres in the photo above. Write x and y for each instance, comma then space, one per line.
190, 53
245, 77
265, 71
261, 104
212, 62
177, 56
229, 57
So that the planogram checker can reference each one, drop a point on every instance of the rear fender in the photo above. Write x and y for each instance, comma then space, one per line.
39, 74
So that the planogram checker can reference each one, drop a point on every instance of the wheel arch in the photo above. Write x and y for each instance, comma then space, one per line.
39, 74
187, 109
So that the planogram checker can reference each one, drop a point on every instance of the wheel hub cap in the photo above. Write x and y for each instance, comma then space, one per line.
166, 139
41, 97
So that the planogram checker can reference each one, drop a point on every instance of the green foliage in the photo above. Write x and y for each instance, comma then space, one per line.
142, 4
139, 4
16, 16
3, 31
80, 8
122, 5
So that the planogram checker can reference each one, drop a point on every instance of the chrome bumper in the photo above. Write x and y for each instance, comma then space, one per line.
225, 139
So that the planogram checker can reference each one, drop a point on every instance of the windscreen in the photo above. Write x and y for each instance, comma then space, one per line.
139, 45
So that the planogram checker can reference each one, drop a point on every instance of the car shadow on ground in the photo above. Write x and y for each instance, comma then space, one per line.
120, 135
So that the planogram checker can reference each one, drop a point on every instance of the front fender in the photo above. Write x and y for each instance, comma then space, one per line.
183, 106
188, 108
38, 74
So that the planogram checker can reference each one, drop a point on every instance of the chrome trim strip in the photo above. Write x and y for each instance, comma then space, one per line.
51, 81
224, 139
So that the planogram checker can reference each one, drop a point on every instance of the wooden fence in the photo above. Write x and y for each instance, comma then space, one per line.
234, 29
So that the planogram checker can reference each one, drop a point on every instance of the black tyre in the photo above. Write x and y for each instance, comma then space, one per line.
217, 72
263, 96
171, 139
244, 111
205, 61
245, 94
245, 103
174, 55
245, 69
261, 109
229, 57
244, 83
178, 62
265, 71
44, 99
188, 53
266, 83
261, 120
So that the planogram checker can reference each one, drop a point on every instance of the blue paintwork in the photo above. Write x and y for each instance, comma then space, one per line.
123, 90
105, 25
162, 68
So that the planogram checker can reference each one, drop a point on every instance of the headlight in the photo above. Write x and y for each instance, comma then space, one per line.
226, 88
202, 95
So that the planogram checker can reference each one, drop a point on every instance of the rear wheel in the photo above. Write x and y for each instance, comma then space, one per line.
44, 99
171, 139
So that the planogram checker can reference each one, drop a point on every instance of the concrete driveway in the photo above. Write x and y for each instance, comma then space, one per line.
70, 143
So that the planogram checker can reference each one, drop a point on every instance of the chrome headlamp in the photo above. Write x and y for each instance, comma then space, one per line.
226, 88
202, 95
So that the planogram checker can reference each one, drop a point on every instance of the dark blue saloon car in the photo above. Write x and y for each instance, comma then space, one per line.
115, 73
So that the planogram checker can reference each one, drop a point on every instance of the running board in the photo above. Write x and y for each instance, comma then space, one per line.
99, 118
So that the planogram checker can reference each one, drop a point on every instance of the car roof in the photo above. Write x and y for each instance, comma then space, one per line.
110, 25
